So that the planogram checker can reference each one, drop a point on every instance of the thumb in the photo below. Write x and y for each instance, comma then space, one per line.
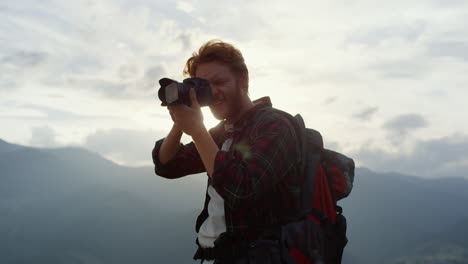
193, 98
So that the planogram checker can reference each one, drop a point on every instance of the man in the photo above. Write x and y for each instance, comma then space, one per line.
251, 158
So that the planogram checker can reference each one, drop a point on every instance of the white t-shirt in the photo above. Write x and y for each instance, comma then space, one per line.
215, 223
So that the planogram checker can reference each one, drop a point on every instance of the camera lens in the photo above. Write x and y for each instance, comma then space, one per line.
172, 93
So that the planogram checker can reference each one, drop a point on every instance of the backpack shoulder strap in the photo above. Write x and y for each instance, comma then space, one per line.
311, 156
312, 149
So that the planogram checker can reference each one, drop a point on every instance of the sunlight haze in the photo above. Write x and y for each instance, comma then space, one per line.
384, 81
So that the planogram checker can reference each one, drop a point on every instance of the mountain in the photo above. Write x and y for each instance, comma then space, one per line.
448, 246
389, 213
70, 205
7, 147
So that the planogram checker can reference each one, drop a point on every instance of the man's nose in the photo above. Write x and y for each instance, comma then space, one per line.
214, 90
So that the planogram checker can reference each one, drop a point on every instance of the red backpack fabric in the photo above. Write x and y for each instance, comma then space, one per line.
319, 234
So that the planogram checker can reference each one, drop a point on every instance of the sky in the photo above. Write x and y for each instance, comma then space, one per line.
384, 81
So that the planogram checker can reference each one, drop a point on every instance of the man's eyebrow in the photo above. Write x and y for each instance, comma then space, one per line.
215, 76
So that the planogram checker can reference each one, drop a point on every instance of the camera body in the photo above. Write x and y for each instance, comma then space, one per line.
173, 92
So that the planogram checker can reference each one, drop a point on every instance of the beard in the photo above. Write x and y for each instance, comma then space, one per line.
230, 108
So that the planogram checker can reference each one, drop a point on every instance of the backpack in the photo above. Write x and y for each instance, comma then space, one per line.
318, 233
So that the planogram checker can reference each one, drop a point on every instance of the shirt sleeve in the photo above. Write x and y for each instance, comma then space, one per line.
254, 166
186, 161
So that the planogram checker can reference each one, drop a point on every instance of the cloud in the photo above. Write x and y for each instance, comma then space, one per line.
128, 72
449, 3
125, 146
15, 66
330, 100
401, 125
105, 56
378, 35
43, 136
185, 6
440, 157
413, 68
186, 39
366, 113
455, 49
47, 113
24, 59
106, 87
87, 50
53, 114
152, 75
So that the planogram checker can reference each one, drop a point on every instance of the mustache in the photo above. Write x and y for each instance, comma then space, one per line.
218, 99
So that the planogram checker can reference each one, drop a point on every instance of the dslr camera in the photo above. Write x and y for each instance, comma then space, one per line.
173, 92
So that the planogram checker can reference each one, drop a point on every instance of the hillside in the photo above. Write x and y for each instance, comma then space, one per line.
388, 214
70, 205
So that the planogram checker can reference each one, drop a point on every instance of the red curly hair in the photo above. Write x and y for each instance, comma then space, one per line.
217, 50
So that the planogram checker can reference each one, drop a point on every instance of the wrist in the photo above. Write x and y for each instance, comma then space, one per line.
200, 133
175, 130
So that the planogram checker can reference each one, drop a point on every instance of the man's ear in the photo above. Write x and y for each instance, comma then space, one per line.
244, 80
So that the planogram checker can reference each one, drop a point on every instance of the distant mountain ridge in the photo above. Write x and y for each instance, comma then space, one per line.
391, 214
72, 205
7, 147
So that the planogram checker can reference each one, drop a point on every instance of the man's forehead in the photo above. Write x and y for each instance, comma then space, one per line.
211, 70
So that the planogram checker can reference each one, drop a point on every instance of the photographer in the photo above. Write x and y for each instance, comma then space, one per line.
251, 158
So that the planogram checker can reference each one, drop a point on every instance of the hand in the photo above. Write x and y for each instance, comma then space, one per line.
188, 119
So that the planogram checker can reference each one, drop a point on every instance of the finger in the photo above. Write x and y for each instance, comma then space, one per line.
173, 111
172, 117
174, 108
193, 97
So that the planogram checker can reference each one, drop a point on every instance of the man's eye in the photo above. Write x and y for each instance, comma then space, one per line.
218, 82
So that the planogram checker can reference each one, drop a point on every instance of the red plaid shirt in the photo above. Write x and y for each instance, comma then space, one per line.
259, 177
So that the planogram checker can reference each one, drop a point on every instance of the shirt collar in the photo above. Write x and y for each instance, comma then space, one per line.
260, 103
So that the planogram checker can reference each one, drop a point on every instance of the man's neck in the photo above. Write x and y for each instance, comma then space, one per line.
246, 105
